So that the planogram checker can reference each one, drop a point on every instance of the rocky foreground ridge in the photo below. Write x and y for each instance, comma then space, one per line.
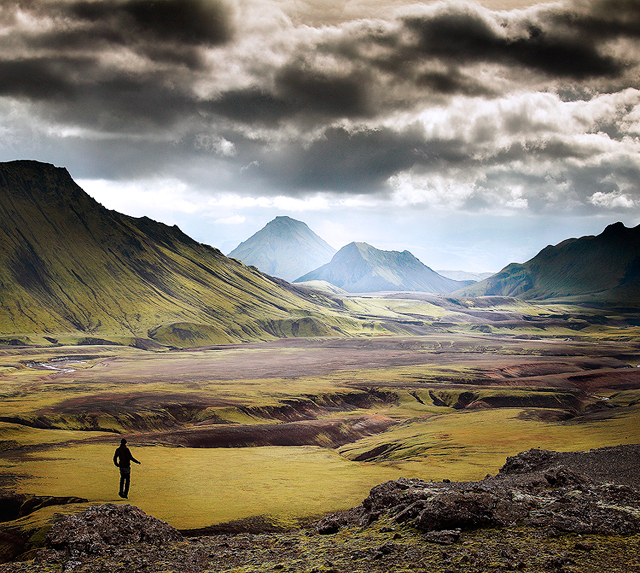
544, 511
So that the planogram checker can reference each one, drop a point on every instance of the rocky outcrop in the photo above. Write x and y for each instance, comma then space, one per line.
100, 527
525, 492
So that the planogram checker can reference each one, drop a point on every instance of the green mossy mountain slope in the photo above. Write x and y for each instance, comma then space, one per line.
70, 267
605, 267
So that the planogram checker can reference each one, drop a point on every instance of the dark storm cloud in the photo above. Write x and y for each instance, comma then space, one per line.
171, 31
298, 92
78, 92
360, 162
452, 82
251, 105
335, 95
344, 108
603, 19
181, 21
465, 36
41, 78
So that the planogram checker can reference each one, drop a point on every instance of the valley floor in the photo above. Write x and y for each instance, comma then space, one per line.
388, 543
294, 429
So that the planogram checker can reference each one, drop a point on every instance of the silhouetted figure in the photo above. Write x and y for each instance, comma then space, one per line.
122, 459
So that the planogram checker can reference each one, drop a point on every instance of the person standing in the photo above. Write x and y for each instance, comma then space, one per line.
122, 459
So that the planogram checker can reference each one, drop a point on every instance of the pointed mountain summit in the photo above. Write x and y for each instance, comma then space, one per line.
284, 248
71, 269
359, 267
602, 267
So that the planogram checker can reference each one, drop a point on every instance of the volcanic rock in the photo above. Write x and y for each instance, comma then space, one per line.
101, 526
526, 491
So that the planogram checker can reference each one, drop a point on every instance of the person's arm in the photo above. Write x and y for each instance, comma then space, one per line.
132, 458
115, 459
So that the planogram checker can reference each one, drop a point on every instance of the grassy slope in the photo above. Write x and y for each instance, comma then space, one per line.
67, 265
606, 266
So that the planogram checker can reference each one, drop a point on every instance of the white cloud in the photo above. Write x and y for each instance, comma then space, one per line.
429, 190
161, 199
613, 200
215, 144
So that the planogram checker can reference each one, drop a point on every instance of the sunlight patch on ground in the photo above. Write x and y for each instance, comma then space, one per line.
191, 488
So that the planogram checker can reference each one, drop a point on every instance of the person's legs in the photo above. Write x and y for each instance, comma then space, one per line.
125, 475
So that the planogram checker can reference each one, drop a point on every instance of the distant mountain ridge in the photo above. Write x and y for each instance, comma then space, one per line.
602, 267
359, 267
69, 266
284, 248
464, 275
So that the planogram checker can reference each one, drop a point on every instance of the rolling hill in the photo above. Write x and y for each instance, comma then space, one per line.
284, 248
73, 270
359, 267
603, 267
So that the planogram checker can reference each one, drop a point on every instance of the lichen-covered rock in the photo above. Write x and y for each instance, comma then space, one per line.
525, 462
458, 509
333, 522
100, 526
531, 489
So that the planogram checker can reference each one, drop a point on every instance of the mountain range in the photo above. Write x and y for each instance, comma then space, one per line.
69, 265
470, 276
605, 267
75, 272
359, 267
284, 248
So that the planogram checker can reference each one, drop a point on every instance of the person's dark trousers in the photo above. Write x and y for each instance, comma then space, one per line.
125, 479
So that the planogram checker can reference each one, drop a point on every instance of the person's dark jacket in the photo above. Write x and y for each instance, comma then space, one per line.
123, 458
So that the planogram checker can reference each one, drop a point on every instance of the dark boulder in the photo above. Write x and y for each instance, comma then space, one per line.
102, 526
457, 510
525, 462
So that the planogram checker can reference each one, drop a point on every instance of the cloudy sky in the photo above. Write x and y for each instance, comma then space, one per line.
472, 134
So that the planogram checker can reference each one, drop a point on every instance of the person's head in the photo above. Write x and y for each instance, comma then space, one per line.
123, 442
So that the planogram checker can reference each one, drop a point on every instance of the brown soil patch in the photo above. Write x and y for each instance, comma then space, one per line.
327, 433
499, 358
134, 402
626, 379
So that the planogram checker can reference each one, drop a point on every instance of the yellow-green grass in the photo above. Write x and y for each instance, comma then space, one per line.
26, 436
393, 308
466, 445
193, 488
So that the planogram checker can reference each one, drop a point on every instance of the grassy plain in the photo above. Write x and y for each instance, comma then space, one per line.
309, 425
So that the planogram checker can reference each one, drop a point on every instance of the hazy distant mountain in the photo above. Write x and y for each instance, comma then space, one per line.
606, 266
71, 268
284, 248
359, 267
464, 275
